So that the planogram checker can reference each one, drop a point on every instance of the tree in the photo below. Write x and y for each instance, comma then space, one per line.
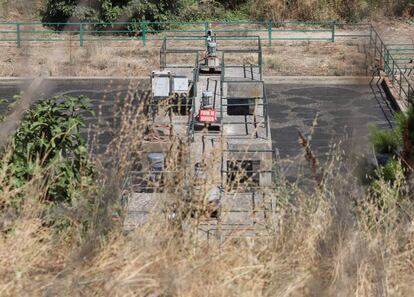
63, 11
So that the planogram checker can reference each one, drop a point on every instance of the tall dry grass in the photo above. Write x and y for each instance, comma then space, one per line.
331, 241
328, 10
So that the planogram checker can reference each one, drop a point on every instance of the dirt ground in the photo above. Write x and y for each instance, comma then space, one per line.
345, 57
97, 59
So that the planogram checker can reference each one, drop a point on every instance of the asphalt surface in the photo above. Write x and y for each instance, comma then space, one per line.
337, 114
7, 92
326, 114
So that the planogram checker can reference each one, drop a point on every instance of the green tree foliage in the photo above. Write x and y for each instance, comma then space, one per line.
63, 11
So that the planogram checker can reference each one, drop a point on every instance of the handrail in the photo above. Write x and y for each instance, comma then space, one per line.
140, 31
391, 67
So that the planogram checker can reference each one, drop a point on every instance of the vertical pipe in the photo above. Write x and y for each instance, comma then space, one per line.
265, 110
370, 34
215, 92
81, 33
205, 32
18, 40
333, 31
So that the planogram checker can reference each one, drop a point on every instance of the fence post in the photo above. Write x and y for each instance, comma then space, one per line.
81, 33
370, 34
386, 61
18, 40
333, 31
205, 31
144, 33
270, 29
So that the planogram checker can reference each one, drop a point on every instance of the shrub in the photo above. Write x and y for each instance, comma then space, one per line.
384, 141
49, 139
109, 11
315, 10
391, 170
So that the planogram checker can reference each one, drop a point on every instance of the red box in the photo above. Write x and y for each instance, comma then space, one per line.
207, 116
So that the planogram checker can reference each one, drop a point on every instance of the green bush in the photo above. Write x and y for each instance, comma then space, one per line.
49, 140
108, 11
384, 141
390, 171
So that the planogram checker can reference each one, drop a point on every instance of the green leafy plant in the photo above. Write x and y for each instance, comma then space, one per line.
384, 141
49, 139
390, 171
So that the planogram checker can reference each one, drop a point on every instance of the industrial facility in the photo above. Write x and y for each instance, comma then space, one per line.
210, 98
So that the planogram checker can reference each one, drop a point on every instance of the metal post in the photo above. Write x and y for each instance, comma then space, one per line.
333, 31
386, 61
81, 33
144, 33
370, 34
205, 32
18, 40
381, 54
270, 29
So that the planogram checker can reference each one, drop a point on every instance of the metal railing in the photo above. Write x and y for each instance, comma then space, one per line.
384, 56
16, 33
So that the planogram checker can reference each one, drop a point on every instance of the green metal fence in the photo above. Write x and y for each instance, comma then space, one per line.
388, 56
14, 34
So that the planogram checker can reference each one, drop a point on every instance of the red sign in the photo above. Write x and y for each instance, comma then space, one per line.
207, 116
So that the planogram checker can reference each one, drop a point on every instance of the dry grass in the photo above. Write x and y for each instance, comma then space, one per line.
333, 241
22, 10
136, 60
317, 10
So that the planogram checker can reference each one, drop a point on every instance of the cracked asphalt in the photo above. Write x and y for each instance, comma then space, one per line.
325, 113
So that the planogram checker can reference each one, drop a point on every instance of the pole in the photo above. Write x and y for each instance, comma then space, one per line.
18, 39
144, 33
270, 29
81, 33
205, 32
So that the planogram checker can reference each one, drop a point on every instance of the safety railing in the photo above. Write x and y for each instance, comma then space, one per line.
384, 56
16, 33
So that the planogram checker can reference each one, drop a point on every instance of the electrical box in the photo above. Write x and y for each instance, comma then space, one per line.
180, 84
207, 99
164, 84
161, 86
